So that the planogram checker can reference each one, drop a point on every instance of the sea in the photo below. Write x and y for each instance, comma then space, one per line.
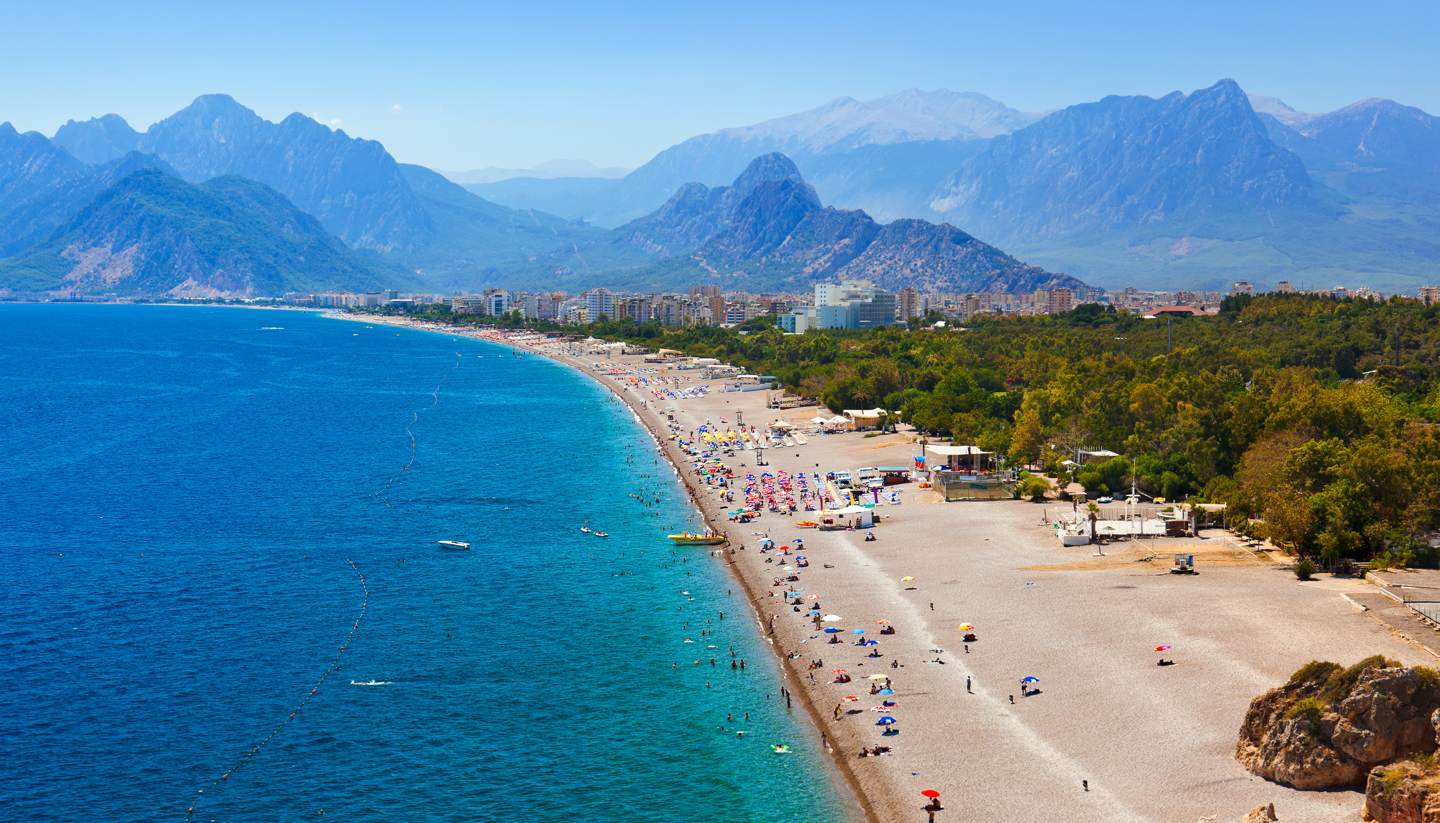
217, 523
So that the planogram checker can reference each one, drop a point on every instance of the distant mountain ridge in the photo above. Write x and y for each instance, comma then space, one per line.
1126, 161
151, 233
549, 170
810, 138
1181, 191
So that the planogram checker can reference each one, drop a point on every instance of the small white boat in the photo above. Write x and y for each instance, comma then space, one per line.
602, 534
585, 529
369, 682
453, 545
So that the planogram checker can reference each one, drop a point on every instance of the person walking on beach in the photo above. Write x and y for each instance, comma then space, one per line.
967, 685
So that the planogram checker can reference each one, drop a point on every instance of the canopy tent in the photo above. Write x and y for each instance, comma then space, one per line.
866, 418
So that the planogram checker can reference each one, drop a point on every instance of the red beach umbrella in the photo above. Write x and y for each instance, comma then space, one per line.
1163, 647
930, 793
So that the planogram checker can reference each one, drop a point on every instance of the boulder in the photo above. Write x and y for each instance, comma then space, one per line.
1261, 814
1329, 726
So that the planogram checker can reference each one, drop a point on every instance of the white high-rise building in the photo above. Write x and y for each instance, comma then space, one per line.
598, 302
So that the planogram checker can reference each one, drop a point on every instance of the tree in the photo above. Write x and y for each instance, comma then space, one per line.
1026, 440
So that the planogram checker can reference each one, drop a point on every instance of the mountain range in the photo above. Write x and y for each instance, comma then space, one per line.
1191, 190
85, 211
1187, 190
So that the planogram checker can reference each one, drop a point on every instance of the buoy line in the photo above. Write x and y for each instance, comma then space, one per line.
384, 493
330, 669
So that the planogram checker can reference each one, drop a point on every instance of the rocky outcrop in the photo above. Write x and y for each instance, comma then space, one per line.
1329, 726
1407, 792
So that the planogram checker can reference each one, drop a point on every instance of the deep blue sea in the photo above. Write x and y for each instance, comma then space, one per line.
181, 493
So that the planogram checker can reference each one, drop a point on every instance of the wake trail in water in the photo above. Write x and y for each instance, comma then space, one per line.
384, 492
330, 669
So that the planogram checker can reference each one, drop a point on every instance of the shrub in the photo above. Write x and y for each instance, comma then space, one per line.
1308, 709
1305, 569
1316, 672
1392, 779
1339, 684
1032, 487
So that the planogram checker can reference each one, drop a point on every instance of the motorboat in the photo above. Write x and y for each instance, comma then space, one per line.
454, 545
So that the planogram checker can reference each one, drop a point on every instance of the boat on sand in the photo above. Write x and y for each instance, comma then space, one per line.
693, 539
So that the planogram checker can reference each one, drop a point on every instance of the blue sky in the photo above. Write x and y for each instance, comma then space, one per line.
458, 86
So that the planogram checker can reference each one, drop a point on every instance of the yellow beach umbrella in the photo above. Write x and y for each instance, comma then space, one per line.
965, 627
906, 579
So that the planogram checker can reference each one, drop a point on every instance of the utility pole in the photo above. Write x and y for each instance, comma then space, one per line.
1169, 333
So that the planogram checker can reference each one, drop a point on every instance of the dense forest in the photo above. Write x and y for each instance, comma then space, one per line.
1313, 418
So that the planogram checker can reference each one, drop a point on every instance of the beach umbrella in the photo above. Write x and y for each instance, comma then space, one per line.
879, 677
906, 579
1029, 679
871, 643
850, 698
1163, 647
839, 671
883, 622
930, 793
831, 630
887, 720
888, 703
880, 709
832, 618
967, 627
859, 631
887, 691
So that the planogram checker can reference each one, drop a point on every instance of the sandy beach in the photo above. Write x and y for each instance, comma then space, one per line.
1151, 743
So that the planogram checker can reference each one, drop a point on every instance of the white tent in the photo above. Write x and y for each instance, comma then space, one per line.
819, 421
864, 515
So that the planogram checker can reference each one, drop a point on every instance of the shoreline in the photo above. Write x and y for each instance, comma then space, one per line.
1085, 624
848, 780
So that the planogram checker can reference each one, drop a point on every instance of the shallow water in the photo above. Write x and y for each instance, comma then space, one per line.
180, 492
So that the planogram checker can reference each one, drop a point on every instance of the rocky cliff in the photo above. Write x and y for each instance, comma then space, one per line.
1330, 725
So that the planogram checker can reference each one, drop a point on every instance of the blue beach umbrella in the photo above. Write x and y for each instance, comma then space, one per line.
831, 630
887, 691
1029, 679
871, 643
859, 631
886, 721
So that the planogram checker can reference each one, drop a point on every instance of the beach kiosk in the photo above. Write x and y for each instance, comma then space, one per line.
966, 473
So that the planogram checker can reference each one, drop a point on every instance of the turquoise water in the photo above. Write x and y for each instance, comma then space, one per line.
182, 491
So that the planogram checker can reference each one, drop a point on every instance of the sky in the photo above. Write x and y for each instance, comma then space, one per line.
463, 86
